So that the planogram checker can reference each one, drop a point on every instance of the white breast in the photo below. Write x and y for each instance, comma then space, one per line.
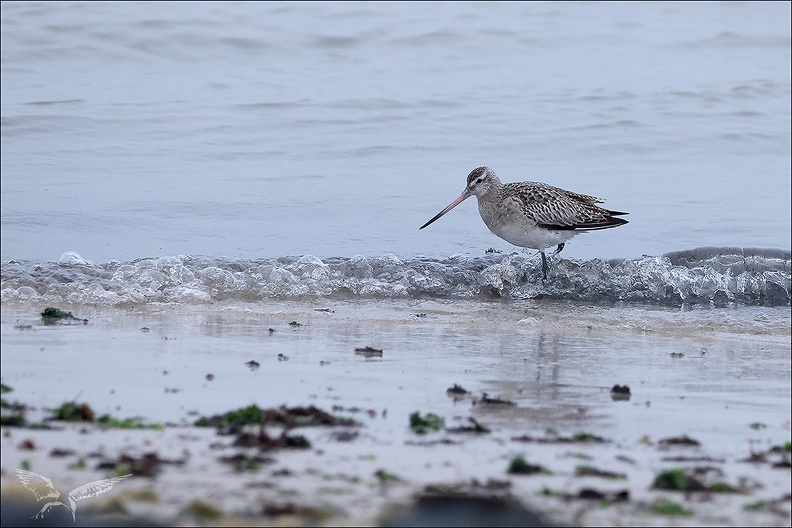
510, 224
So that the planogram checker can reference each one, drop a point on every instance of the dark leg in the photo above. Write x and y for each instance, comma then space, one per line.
559, 248
544, 266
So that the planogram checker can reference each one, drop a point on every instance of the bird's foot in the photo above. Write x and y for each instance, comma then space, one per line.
559, 249
545, 267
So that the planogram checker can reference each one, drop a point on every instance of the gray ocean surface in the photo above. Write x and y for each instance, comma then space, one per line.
191, 151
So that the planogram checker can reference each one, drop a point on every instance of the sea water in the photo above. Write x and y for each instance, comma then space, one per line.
264, 130
184, 151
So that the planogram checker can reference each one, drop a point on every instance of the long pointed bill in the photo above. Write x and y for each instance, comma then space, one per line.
462, 197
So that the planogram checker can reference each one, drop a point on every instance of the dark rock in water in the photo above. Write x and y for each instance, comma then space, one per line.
620, 393
456, 390
485, 399
252, 364
609, 496
369, 352
683, 440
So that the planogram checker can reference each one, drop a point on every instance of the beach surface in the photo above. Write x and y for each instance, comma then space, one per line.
709, 396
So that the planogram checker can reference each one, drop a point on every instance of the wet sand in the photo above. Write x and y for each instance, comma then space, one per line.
719, 375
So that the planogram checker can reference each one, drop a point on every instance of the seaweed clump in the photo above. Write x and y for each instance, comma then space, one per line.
681, 480
423, 424
52, 315
233, 422
518, 466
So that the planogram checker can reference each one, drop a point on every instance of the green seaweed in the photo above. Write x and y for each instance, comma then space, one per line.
758, 506
549, 492
79, 464
123, 468
580, 456
250, 415
248, 463
75, 412
758, 425
669, 508
54, 316
421, 425
56, 313
674, 479
552, 437
110, 422
203, 510
386, 476
144, 495
518, 466
722, 487
82, 412
234, 421
588, 437
679, 480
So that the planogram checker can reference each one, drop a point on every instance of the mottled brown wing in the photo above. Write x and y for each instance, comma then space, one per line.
555, 208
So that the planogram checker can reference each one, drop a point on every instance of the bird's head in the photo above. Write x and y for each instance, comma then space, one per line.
482, 181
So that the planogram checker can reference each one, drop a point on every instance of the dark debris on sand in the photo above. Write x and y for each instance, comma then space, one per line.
368, 352
147, 465
486, 400
578, 438
456, 390
475, 427
682, 441
700, 478
264, 441
620, 393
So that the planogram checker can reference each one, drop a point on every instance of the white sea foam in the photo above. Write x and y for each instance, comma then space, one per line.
706, 275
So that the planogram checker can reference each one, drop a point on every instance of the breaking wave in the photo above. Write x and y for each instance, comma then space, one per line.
703, 275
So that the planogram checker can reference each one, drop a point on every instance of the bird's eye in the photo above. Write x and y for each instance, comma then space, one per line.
479, 180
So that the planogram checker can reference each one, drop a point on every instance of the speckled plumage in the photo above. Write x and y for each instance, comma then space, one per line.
532, 214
